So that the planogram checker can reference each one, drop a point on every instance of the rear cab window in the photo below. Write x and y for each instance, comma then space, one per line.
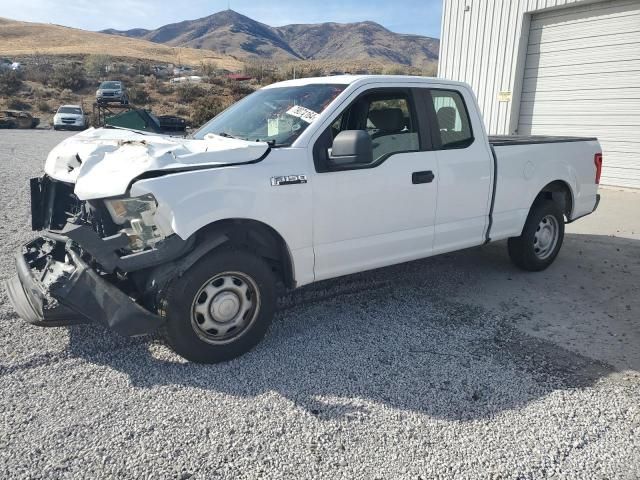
453, 127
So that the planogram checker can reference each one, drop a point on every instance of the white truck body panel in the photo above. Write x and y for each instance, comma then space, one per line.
524, 170
338, 222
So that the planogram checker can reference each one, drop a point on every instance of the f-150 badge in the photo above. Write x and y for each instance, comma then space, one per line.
288, 180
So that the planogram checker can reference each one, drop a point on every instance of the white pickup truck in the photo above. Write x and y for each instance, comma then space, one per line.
301, 181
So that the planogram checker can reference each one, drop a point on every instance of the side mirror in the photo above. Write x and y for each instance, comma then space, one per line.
351, 147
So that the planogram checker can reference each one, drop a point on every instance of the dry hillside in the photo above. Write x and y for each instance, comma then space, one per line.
25, 38
232, 33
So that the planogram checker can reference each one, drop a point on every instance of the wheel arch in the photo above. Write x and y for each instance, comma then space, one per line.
560, 192
252, 235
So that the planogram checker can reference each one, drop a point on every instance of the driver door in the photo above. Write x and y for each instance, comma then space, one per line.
381, 213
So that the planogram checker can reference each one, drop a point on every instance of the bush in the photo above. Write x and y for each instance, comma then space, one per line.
10, 82
138, 95
39, 73
189, 92
144, 69
164, 88
43, 106
66, 95
430, 71
17, 104
396, 70
208, 69
240, 90
219, 81
182, 111
69, 76
205, 109
39, 68
97, 65
152, 82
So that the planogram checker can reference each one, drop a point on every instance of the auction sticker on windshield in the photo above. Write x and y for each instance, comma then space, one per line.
303, 113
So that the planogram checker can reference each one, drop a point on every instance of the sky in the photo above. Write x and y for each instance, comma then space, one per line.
420, 17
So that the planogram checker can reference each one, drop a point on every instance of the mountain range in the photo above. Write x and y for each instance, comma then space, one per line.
23, 39
231, 33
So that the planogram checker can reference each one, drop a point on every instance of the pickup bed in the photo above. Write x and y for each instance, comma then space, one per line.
301, 181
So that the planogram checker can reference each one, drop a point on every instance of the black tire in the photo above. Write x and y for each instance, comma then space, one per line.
525, 251
184, 296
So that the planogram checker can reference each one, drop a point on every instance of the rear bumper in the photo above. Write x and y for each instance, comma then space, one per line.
48, 292
595, 207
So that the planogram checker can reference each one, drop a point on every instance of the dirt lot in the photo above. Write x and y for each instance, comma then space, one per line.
458, 366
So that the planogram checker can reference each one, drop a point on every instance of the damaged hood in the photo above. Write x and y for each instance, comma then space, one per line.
103, 162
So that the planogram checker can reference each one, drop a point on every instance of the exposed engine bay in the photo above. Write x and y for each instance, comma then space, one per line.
55, 207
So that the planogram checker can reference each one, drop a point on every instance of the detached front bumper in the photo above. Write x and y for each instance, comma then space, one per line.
50, 292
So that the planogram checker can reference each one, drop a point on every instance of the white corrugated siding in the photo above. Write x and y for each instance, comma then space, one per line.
489, 44
582, 76
480, 45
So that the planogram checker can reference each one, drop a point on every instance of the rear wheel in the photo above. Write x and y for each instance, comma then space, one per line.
541, 238
221, 307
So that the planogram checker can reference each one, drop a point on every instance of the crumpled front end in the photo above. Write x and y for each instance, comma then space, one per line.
87, 266
54, 286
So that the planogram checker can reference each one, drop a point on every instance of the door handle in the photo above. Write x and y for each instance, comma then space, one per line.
422, 177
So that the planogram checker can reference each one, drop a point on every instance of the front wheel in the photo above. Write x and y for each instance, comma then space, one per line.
541, 238
221, 307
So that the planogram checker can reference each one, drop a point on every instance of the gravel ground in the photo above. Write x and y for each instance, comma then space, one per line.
405, 372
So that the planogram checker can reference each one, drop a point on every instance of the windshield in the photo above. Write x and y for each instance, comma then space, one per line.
73, 110
275, 115
110, 85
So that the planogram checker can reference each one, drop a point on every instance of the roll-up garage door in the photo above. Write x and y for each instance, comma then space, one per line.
582, 77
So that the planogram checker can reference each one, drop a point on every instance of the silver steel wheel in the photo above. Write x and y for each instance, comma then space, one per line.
225, 307
546, 237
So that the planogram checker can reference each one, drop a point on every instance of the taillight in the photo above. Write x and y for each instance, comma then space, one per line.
597, 159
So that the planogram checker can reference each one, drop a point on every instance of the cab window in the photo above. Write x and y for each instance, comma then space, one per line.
454, 127
388, 118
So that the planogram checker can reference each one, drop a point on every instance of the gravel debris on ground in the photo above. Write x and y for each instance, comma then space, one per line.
397, 373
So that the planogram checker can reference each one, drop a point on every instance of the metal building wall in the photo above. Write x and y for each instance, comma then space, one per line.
482, 44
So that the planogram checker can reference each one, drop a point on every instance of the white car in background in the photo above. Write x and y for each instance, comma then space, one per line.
70, 117
190, 79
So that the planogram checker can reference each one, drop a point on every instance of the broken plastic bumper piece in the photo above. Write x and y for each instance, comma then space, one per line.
54, 286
